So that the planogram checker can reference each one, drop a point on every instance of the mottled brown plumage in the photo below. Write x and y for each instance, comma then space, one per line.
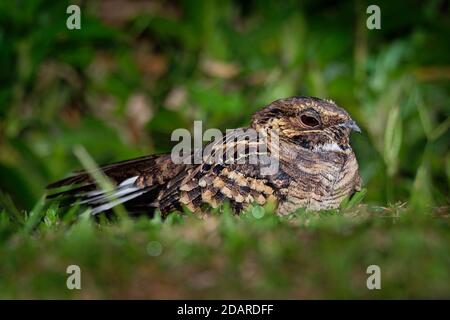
316, 169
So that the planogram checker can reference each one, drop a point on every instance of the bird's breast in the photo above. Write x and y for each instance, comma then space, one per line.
319, 180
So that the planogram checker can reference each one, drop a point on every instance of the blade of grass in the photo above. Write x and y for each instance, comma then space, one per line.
10, 208
354, 200
35, 216
100, 179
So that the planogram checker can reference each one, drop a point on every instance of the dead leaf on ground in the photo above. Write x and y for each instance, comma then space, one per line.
219, 69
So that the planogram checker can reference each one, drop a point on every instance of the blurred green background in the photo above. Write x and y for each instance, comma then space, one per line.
139, 69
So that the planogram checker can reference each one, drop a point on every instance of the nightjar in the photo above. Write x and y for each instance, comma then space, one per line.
306, 137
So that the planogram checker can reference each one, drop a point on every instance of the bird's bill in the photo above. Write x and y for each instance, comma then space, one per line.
351, 125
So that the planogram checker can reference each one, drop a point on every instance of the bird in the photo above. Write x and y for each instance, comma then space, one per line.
304, 140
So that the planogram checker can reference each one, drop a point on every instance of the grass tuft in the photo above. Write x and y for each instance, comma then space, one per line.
256, 255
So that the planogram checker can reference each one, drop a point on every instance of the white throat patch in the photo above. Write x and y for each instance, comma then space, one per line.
330, 147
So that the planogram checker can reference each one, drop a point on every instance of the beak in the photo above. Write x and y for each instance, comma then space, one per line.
351, 125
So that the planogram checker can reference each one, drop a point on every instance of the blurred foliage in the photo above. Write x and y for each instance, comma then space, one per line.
137, 70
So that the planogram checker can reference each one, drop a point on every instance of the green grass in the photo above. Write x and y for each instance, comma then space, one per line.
127, 79
256, 255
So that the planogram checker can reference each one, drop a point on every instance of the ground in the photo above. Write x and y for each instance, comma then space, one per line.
256, 255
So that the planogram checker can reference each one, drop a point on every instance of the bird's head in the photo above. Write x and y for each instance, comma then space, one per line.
309, 122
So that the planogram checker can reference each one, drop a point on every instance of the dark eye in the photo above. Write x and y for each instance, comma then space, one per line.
309, 120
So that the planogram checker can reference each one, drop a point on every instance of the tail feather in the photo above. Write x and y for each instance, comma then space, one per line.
138, 185
99, 196
118, 172
112, 203
124, 174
